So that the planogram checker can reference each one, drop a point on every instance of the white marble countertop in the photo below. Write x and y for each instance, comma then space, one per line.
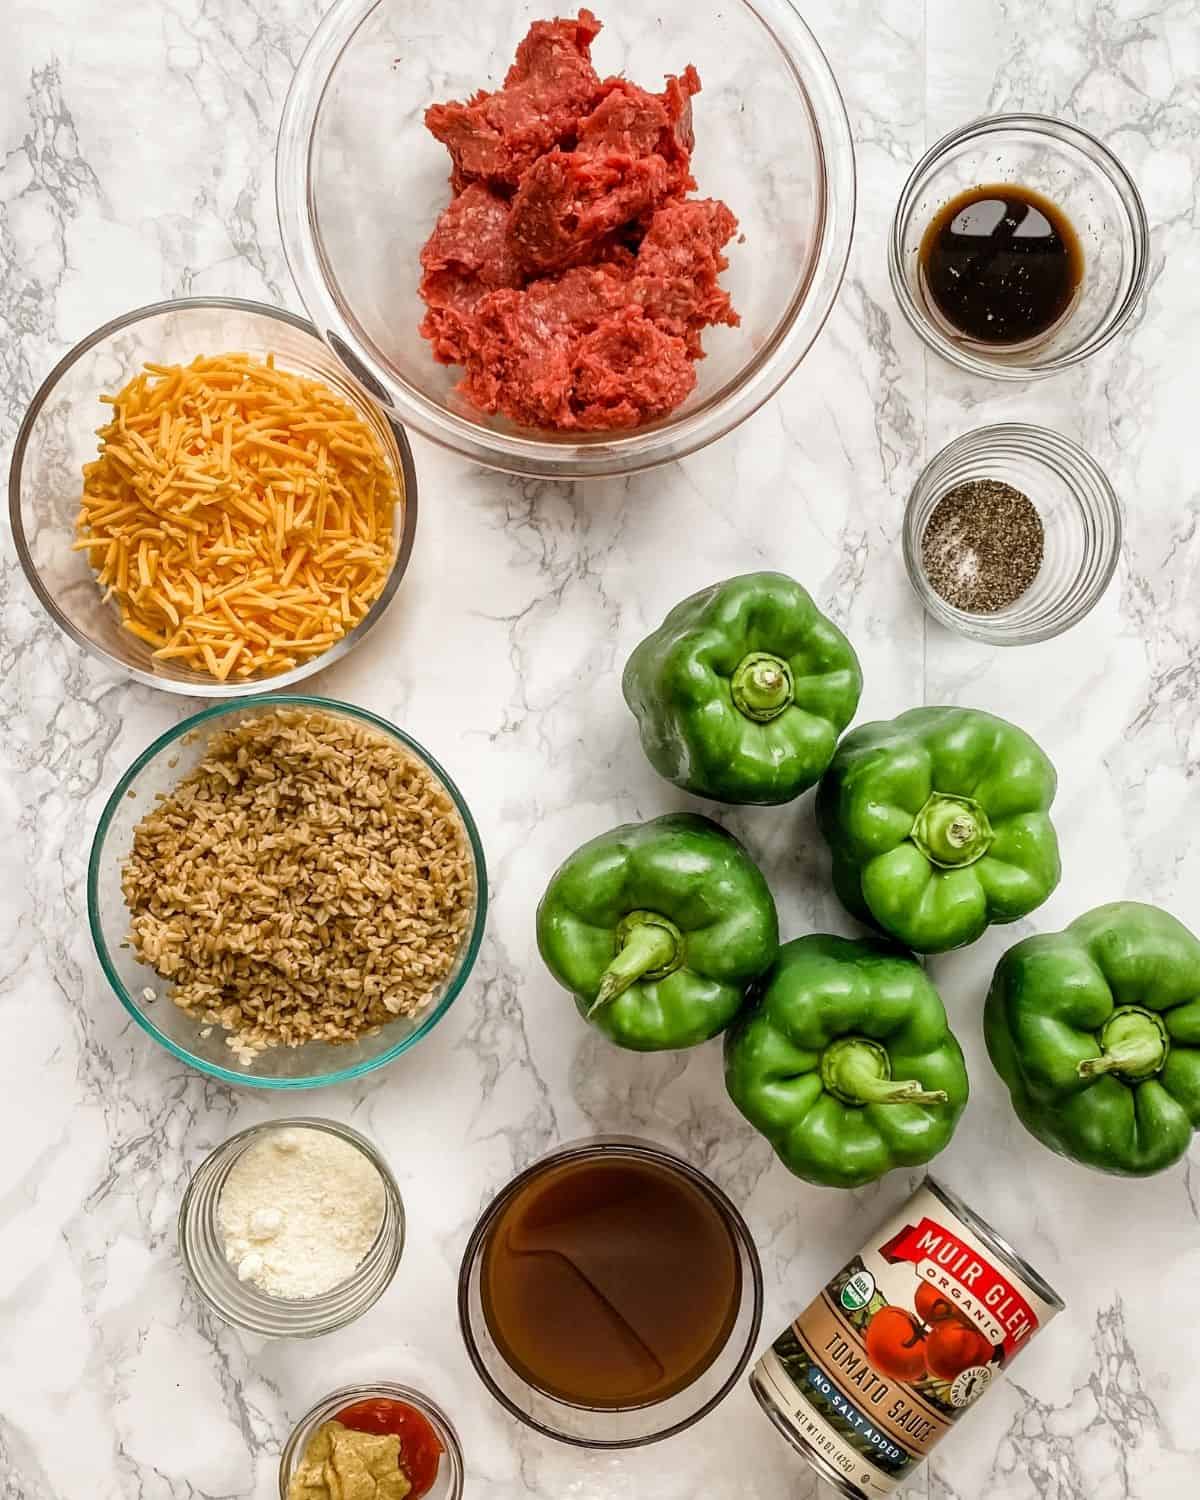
136, 149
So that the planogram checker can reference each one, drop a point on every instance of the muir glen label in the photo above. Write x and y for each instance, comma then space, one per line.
903, 1341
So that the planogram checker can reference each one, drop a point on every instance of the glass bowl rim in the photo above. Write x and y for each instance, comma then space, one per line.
1105, 160
366, 1391
592, 455
391, 1188
1040, 443
331, 705
217, 690
600, 1145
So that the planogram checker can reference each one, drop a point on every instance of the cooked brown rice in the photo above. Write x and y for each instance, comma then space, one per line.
308, 880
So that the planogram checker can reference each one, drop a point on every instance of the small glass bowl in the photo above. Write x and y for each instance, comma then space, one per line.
58, 436
1082, 177
1081, 521
449, 1482
143, 994
591, 1427
360, 183
245, 1305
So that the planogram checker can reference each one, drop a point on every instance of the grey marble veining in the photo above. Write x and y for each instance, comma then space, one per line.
136, 150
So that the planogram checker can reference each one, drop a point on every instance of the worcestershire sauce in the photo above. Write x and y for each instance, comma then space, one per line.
1001, 264
610, 1283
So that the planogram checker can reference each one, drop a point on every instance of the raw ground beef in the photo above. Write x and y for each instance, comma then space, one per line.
492, 138
465, 257
570, 275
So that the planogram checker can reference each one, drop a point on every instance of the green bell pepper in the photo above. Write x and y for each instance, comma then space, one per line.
742, 691
658, 928
939, 825
1096, 1032
847, 1063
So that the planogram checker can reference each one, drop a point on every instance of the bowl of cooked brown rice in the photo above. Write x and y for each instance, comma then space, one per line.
286, 892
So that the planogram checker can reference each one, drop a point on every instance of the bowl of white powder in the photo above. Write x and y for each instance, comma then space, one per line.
292, 1228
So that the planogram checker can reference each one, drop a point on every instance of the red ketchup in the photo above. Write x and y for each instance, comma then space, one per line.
420, 1446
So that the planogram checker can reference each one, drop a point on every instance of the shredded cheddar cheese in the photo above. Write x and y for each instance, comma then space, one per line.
239, 515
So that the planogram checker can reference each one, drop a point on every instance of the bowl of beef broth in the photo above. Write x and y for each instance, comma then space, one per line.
610, 1295
1019, 247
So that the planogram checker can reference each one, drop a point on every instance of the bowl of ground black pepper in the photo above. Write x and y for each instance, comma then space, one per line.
1011, 535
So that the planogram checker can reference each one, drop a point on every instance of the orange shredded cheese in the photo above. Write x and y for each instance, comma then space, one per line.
239, 515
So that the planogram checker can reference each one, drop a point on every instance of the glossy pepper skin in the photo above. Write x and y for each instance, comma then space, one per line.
939, 825
658, 929
1096, 1032
846, 1063
742, 691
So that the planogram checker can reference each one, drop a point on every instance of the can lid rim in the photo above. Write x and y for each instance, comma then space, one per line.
997, 1243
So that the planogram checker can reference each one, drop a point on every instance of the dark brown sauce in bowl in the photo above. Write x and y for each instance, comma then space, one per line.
1001, 264
610, 1283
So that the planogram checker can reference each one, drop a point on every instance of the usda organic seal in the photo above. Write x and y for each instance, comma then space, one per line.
858, 1291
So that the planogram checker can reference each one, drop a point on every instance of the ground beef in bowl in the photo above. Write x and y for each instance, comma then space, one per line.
571, 275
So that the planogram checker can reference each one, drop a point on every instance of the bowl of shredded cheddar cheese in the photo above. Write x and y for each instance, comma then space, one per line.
200, 495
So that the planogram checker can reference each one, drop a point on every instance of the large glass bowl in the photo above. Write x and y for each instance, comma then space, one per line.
58, 436
144, 995
360, 183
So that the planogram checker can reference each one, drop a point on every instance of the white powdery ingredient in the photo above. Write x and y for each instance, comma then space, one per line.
298, 1212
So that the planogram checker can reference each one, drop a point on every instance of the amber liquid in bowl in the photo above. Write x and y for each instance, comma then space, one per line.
610, 1283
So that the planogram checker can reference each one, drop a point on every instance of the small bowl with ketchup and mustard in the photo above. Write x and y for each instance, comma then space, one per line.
1019, 247
392, 1435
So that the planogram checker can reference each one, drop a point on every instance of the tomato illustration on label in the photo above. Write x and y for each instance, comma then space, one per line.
953, 1347
936, 1339
895, 1343
932, 1306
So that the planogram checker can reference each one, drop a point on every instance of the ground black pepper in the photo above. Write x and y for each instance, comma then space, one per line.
982, 546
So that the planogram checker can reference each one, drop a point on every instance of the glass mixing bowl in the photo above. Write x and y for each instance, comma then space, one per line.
1080, 176
360, 183
58, 436
144, 994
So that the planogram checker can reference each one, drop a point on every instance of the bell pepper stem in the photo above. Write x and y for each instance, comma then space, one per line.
762, 686
952, 831
649, 947
897, 1091
1133, 1044
858, 1071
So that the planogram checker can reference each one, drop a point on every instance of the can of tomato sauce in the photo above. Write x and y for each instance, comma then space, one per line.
901, 1343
